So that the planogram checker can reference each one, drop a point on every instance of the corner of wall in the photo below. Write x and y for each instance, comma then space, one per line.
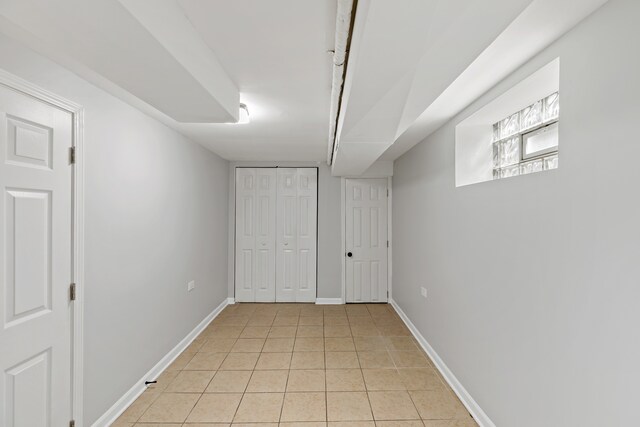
467, 400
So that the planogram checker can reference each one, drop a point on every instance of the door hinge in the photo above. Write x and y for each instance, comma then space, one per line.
72, 423
72, 292
387, 192
72, 155
387, 243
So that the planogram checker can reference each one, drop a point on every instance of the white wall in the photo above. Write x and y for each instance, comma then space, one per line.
156, 217
329, 231
534, 281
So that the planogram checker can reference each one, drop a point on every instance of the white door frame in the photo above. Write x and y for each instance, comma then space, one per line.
77, 272
343, 224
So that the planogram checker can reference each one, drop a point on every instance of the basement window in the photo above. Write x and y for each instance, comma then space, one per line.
513, 134
527, 141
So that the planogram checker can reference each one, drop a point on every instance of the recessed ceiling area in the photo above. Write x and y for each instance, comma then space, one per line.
103, 38
412, 65
441, 57
277, 53
173, 58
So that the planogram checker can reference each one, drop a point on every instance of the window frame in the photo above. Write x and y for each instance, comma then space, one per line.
536, 131
542, 155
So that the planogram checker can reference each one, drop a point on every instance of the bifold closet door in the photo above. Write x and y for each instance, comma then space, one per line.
255, 235
296, 232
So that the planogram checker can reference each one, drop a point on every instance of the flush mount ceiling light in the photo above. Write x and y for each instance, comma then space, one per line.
243, 115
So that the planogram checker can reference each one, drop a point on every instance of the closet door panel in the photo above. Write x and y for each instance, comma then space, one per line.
307, 234
265, 225
287, 231
245, 234
296, 235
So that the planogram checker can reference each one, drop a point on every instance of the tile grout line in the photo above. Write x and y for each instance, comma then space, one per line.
373, 416
235, 413
284, 394
351, 322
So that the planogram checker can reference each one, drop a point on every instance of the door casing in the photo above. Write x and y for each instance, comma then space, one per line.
77, 211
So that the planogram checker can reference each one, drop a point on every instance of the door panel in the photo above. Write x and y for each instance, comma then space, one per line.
288, 276
265, 275
255, 234
366, 239
35, 251
245, 235
29, 257
287, 230
29, 388
246, 264
297, 234
307, 233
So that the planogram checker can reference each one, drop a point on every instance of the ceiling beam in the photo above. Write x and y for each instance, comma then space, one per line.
412, 72
103, 42
168, 24
527, 35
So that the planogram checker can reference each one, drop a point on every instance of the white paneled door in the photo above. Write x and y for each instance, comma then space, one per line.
255, 234
296, 233
35, 254
366, 241
276, 234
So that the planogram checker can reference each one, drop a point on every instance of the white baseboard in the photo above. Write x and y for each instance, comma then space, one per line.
130, 396
231, 300
329, 301
472, 406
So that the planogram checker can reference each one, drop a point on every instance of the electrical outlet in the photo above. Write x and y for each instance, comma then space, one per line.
423, 292
191, 285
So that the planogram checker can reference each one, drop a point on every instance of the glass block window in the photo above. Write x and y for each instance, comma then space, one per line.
527, 141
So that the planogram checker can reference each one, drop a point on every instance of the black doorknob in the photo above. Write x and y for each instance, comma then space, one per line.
349, 254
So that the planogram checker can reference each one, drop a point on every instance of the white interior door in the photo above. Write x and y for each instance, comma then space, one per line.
255, 234
366, 240
35, 254
296, 234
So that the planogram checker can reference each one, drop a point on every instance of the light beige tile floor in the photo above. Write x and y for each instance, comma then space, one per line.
300, 365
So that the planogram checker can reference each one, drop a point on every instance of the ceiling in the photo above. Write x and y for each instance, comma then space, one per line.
412, 66
442, 56
172, 58
277, 53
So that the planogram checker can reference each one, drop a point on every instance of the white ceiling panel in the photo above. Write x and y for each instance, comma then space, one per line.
413, 65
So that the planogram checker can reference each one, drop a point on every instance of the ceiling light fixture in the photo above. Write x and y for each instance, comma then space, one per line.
243, 115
